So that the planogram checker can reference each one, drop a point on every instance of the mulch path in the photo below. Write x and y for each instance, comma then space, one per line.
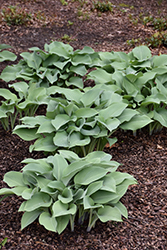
143, 156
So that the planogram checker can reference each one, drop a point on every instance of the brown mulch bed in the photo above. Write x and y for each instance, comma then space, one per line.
143, 156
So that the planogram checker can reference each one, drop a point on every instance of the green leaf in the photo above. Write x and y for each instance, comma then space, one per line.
72, 169
75, 81
48, 221
59, 164
137, 122
56, 185
75, 139
100, 76
62, 223
8, 95
44, 144
60, 120
29, 217
160, 115
33, 59
142, 53
14, 178
114, 110
7, 56
27, 134
127, 115
86, 112
109, 184
79, 70
66, 196
61, 139
160, 60
81, 58
109, 213
38, 200
122, 209
89, 175
103, 196
93, 187
89, 203
61, 209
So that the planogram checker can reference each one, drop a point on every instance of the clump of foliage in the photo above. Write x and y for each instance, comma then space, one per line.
14, 15
64, 188
102, 6
57, 65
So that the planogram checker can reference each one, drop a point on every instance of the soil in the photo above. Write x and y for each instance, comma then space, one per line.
143, 156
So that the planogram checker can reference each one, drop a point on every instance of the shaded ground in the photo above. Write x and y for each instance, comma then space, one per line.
143, 156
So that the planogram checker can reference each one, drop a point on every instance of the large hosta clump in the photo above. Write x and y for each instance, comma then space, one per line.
64, 189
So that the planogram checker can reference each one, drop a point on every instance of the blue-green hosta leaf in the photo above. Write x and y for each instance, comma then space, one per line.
33, 121
59, 164
127, 115
120, 177
33, 59
50, 60
8, 95
93, 187
88, 203
39, 167
49, 222
75, 139
110, 124
60, 120
38, 200
62, 222
90, 96
81, 59
89, 175
86, 112
14, 178
141, 53
52, 75
160, 86
138, 121
46, 127
27, 134
20, 87
144, 79
119, 65
75, 81
60, 209
98, 156
122, 188
10, 73
114, 110
7, 56
109, 184
59, 48
44, 144
66, 196
29, 217
122, 209
159, 60
158, 98
72, 169
61, 139
69, 155
4, 191
78, 69
78, 195
107, 213
4, 46
2, 114
160, 115
99, 76
129, 88
20, 189
56, 185
102, 196
90, 132
60, 65
43, 181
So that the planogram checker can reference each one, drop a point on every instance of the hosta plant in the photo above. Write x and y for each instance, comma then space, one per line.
80, 121
24, 103
57, 65
63, 188
141, 79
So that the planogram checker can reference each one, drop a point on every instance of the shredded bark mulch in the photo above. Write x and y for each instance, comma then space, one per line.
143, 156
